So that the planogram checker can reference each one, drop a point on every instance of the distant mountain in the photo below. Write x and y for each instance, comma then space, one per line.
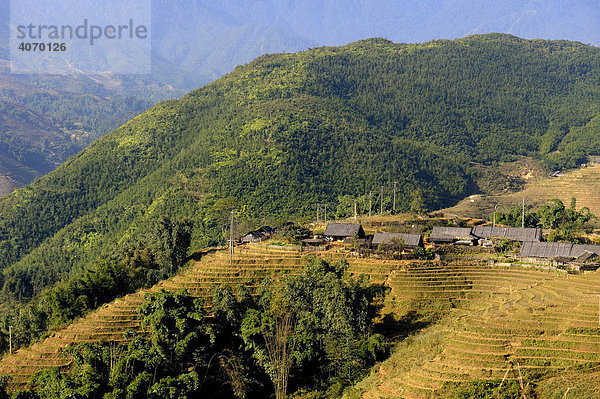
46, 119
284, 132
212, 38
206, 39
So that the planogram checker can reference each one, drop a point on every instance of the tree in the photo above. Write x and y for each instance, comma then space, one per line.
317, 322
172, 240
269, 332
166, 364
550, 216
293, 233
555, 215
394, 246
345, 207
417, 202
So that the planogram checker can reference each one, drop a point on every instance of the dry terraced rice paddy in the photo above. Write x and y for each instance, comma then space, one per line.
499, 318
110, 322
583, 184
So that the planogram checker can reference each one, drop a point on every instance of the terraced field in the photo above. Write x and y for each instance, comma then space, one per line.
500, 319
493, 319
583, 184
250, 265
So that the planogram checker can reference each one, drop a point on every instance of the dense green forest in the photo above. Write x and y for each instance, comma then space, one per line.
285, 132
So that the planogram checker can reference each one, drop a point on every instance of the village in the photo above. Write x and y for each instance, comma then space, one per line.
520, 245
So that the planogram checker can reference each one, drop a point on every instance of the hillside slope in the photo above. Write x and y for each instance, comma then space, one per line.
498, 322
583, 184
469, 321
285, 132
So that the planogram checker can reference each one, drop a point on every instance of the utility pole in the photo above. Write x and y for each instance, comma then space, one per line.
370, 197
381, 206
318, 206
9, 340
523, 215
325, 213
355, 209
394, 204
598, 310
231, 239
495, 210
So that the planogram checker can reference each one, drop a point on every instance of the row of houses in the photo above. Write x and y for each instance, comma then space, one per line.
579, 256
481, 235
348, 231
576, 256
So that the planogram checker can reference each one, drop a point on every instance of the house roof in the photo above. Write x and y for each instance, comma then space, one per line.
513, 233
410, 240
450, 233
266, 229
586, 256
254, 234
547, 249
581, 248
556, 250
343, 230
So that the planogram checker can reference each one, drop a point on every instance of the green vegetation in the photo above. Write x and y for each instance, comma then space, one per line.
287, 131
141, 266
459, 327
550, 216
317, 323
486, 390
292, 233
169, 363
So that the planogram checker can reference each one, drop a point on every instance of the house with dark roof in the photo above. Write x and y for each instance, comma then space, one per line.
263, 233
266, 231
410, 240
512, 233
452, 235
559, 251
587, 261
576, 257
251, 236
341, 231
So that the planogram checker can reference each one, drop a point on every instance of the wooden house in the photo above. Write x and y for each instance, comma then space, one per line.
261, 234
511, 233
342, 231
561, 252
453, 235
586, 261
410, 240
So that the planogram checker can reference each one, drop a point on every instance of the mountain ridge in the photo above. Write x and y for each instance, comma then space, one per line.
197, 42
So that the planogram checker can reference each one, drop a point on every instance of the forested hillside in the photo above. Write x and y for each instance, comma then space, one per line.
52, 118
278, 135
